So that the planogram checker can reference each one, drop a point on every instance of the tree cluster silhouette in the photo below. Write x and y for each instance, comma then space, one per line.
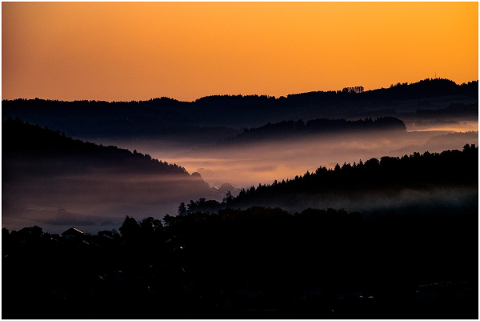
353, 90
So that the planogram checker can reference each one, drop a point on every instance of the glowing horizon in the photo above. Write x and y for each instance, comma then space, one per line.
185, 51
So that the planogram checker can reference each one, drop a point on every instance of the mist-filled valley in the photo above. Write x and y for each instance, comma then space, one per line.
177, 160
263, 162
346, 204
233, 142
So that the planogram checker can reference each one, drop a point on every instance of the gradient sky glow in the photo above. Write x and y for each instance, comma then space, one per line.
137, 51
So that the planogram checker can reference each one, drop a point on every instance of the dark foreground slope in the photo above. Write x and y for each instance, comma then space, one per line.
254, 263
53, 179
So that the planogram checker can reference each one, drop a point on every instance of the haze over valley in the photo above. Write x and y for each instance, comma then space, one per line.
200, 135
240, 160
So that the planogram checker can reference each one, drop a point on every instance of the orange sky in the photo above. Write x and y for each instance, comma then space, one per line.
137, 51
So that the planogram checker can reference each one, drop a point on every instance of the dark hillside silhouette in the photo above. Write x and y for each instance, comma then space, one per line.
253, 263
382, 179
45, 174
24, 141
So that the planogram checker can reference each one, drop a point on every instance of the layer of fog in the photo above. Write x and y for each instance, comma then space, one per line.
97, 201
263, 163
446, 125
92, 201
393, 202
249, 165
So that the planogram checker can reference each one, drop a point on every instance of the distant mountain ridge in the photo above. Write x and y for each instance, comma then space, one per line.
212, 115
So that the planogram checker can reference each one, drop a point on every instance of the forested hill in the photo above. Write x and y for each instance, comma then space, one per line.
423, 89
300, 128
390, 181
31, 142
164, 116
49, 178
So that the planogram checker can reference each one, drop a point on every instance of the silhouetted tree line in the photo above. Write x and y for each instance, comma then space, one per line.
353, 90
165, 116
292, 128
387, 176
430, 87
233, 101
25, 142
253, 263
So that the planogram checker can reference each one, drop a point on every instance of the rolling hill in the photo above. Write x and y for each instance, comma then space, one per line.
54, 179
